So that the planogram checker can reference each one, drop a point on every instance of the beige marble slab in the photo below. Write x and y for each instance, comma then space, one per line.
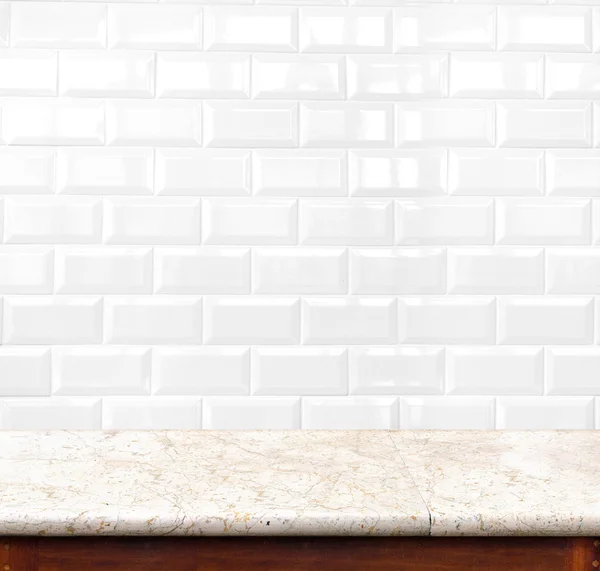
206, 483
506, 483
300, 483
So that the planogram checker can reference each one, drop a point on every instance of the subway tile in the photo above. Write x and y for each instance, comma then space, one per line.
94, 371
200, 371
103, 270
113, 73
156, 413
364, 125
153, 123
397, 172
299, 371
397, 76
573, 172
447, 413
47, 320
396, 370
250, 413
27, 73
57, 25
26, 269
52, 220
544, 221
572, 371
202, 270
250, 124
155, 26
299, 173
545, 320
4, 23
453, 320
496, 270
60, 413
198, 75
283, 76
24, 371
496, 172
572, 76
104, 171
27, 170
251, 28
350, 413
573, 270
397, 270
299, 270
367, 30
349, 320
443, 27
343, 222
536, 28
547, 124
548, 413
444, 221
495, 370
202, 172
52, 122
152, 220
445, 123
270, 221
153, 320
251, 320
497, 76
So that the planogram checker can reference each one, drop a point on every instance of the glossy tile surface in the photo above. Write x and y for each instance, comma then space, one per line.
300, 213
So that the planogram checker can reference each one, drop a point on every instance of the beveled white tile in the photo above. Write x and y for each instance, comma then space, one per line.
440, 221
26, 269
573, 172
251, 28
363, 125
56, 413
397, 173
350, 413
155, 413
397, 270
367, 30
396, 370
545, 320
397, 77
572, 76
283, 76
445, 123
200, 371
572, 370
573, 270
27, 170
256, 413
535, 413
447, 320
496, 172
299, 371
560, 28
27, 72
447, 413
495, 370
24, 371
299, 172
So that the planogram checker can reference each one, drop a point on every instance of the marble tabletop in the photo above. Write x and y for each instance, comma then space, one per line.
300, 483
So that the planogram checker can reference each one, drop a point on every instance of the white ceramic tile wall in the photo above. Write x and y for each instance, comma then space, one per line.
300, 213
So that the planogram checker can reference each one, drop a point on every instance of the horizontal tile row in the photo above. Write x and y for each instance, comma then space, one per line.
262, 320
167, 26
187, 123
289, 371
288, 413
285, 270
297, 173
141, 74
281, 221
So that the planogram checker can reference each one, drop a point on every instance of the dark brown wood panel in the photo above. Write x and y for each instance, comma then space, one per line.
299, 554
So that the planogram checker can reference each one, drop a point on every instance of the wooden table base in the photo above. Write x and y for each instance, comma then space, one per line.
299, 554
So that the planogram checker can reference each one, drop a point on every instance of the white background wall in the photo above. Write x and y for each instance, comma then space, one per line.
300, 213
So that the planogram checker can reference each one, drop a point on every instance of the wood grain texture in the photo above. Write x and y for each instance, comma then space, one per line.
299, 554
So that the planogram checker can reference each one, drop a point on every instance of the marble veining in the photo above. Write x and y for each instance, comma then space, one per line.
299, 483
